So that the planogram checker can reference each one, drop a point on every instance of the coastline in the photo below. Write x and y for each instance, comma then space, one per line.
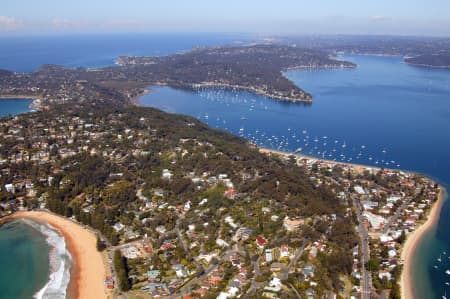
357, 167
308, 99
88, 269
136, 100
444, 67
413, 239
36, 103
410, 246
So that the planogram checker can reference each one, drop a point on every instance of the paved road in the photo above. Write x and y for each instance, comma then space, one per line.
365, 256
254, 285
394, 217
285, 273
186, 249
120, 246
293, 289
186, 289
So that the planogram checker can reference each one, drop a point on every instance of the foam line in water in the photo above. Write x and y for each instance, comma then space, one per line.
60, 263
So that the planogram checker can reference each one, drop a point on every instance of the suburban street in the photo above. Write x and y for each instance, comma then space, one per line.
186, 249
365, 253
185, 289
285, 272
256, 272
394, 217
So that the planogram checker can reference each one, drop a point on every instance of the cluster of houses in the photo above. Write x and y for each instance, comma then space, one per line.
391, 214
276, 259
390, 208
52, 140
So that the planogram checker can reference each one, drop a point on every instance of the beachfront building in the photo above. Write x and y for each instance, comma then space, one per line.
376, 221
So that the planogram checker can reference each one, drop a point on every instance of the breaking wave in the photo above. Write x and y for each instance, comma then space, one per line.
60, 263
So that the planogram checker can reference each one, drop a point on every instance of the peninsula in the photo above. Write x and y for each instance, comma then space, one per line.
441, 60
421, 51
186, 210
255, 68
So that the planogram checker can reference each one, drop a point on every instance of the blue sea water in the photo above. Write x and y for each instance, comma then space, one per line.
24, 249
24, 260
26, 54
383, 112
14, 106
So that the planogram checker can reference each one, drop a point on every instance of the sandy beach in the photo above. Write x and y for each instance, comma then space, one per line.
413, 239
136, 101
409, 248
357, 167
19, 97
89, 269
36, 103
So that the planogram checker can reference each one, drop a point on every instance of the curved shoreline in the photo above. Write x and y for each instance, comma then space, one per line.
357, 167
410, 246
36, 101
413, 239
443, 67
88, 268
255, 90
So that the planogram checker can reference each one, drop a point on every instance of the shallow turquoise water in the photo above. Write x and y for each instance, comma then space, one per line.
24, 261
383, 105
23, 250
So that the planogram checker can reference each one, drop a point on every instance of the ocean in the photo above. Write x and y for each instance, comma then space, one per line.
383, 113
37, 261
14, 106
26, 54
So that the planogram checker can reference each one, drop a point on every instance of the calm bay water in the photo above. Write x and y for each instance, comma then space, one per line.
384, 113
24, 260
14, 106
24, 250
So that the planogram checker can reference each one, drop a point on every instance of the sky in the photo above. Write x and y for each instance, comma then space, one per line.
402, 17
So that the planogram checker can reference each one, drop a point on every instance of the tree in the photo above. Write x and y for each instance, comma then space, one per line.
69, 212
100, 244
395, 292
114, 239
121, 192
121, 268
373, 264
402, 238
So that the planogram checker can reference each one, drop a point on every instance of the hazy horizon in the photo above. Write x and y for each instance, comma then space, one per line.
290, 17
262, 35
